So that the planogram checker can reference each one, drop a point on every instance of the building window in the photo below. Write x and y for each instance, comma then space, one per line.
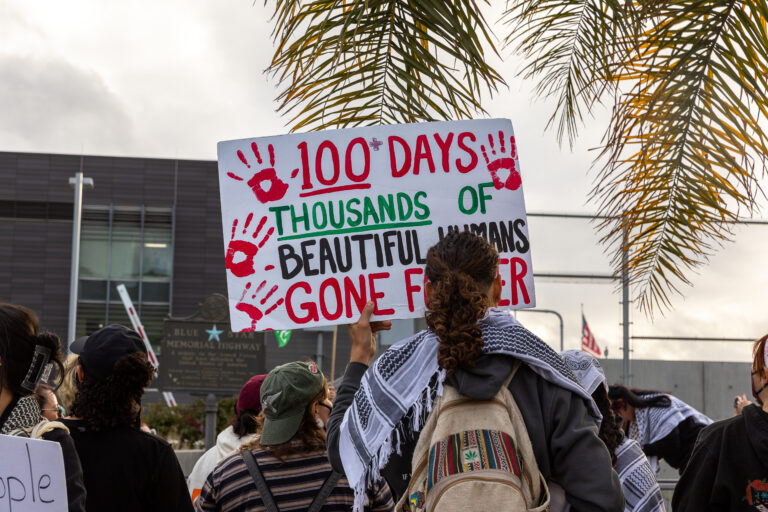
130, 246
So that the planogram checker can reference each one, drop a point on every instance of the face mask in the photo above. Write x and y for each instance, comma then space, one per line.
320, 423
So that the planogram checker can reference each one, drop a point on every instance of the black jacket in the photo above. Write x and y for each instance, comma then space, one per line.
129, 470
563, 434
676, 447
74, 472
728, 469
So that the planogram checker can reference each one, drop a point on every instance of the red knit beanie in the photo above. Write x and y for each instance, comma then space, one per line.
250, 395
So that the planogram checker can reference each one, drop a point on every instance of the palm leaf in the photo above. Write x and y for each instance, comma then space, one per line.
571, 48
350, 63
685, 145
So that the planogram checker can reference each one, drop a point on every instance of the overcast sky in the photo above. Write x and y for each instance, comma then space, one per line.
170, 79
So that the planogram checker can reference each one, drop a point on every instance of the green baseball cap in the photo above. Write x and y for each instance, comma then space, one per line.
285, 395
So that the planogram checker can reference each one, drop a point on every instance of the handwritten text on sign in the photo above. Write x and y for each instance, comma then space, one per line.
31, 476
316, 224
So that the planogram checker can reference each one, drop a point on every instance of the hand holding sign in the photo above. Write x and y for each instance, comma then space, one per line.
363, 343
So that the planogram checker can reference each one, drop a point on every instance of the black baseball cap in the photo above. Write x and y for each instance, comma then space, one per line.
99, 351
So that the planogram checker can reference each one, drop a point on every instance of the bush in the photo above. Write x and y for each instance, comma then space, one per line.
184, 425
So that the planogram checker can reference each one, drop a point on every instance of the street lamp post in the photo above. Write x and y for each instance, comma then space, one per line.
77, 181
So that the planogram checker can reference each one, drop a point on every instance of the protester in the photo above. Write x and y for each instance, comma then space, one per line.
68, 389
641, 491
290, 454
665, 426
728, 469
25, 353
125, 469
243, 428
49, 404
473, 346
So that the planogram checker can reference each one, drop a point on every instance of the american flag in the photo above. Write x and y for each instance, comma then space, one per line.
588, 343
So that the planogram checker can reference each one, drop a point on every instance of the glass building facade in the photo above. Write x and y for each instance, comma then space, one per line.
131, 246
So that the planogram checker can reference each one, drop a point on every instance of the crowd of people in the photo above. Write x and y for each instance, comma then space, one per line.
475, 412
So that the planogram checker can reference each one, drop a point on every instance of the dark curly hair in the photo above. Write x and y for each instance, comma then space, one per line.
461, 267
610, 430
637, 397
19, 334
114, 401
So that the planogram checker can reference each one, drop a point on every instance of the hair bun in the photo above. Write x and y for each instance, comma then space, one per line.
48, 340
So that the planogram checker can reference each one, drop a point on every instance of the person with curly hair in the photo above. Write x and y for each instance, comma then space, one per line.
472, 345
664, 426
125, 469
728, 469
287, 467
25, 352
638, 480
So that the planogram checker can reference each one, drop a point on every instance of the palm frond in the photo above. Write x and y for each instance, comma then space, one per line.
685, 145
571, 48
344, 63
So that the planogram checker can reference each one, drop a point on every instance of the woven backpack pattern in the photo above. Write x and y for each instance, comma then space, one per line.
475, 456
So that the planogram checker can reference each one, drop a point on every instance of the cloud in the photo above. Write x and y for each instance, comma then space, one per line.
52, 105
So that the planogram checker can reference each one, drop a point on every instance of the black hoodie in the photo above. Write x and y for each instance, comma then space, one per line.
563, 434
728, 469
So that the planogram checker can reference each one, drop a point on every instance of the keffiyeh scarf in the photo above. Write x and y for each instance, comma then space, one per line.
397, 391
586, 368
23, 418
638, 480
654, 423
641, 491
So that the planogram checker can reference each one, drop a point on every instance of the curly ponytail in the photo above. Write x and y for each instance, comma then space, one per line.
610, 432
461, 268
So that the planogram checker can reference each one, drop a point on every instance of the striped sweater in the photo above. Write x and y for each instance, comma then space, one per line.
294, 484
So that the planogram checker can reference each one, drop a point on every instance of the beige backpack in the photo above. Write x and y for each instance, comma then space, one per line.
475, 456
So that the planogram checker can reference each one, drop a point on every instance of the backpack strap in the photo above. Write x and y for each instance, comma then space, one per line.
46, 426
325, 491
258, 479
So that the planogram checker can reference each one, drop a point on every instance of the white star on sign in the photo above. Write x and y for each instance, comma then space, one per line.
214, 333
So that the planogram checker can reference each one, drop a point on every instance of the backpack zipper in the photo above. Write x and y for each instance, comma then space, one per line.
480, 479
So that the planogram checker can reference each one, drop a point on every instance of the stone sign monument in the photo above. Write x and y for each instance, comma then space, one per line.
201, 354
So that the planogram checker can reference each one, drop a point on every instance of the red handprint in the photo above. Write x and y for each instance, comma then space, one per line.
265, 184
253, 311
504, 162
244, 267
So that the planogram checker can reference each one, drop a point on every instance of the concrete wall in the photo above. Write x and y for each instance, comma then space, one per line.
705, 385
708, 386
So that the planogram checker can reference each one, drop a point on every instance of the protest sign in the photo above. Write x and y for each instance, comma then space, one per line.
31, 476
315, 224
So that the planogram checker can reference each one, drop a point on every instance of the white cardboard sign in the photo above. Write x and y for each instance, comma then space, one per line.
315, 224
31, 476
